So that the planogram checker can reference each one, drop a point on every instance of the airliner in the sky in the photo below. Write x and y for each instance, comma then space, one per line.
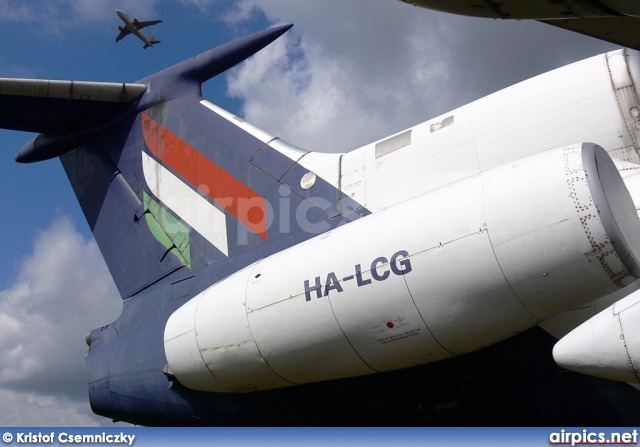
134, 27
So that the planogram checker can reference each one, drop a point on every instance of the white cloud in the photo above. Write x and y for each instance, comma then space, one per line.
30, 409
63, 290
351, 72
104, 10
55, 16
200, 4
16, 11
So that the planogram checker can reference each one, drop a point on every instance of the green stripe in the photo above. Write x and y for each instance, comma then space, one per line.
168, 230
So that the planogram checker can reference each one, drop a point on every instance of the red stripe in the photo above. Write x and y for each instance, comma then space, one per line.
206, 176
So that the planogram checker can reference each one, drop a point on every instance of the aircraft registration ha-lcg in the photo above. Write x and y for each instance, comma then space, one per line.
398, 264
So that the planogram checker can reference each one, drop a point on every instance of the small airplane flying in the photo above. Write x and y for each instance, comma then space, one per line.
133, 27
309, 288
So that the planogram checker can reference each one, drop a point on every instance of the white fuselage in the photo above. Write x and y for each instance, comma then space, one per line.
486, 221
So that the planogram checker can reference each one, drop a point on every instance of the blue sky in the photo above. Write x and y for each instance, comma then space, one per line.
66, 43
349, 72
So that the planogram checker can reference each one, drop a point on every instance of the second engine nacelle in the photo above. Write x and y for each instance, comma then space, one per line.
441, 274
607, 345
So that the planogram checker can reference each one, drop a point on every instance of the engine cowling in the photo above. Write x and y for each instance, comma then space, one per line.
607, 345
441, 274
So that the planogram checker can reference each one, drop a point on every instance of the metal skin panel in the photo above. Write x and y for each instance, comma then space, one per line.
327, 297
518, 121
89, 91
63, 107
554, 243
394, 302
439, 217
630, 329
547, 107
392, 332
607, 345
271, 161
262, 135
181, 343
479, 302
624, 68
300, 340
353, 178
234, 360
110, 206
390, 179
610, 20
324, 165
451, 228
547, 172
540, 9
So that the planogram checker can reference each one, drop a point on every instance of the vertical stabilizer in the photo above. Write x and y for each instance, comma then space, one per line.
140, 181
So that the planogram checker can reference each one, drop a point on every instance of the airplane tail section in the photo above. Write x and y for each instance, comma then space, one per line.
166, 182
151, 44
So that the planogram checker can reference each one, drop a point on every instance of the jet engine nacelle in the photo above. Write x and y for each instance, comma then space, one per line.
607, 345
441, 274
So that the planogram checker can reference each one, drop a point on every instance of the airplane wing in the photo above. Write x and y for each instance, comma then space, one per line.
619, 30
125, 32
141, 25
62, 107
615, 22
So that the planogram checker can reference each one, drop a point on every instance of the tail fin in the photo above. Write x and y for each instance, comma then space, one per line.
164, 182
153, 42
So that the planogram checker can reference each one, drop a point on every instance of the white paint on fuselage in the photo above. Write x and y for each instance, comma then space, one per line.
568, 105
498, 230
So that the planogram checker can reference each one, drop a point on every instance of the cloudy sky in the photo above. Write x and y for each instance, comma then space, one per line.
349, 72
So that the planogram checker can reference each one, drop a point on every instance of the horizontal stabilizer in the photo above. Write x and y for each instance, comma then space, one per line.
106, 134
62, 107
177, 80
